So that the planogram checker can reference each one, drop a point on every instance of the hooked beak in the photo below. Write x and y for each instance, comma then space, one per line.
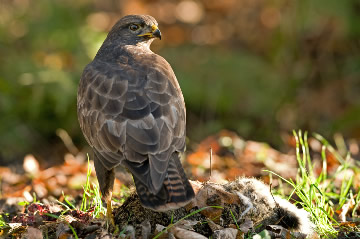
155, 32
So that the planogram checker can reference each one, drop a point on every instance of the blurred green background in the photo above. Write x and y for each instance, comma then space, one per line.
258, 67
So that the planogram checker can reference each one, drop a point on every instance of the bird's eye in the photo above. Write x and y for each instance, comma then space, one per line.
133, 27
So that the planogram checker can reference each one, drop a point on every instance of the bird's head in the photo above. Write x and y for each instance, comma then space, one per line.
135, 29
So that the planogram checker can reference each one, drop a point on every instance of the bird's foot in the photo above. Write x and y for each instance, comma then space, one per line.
110, 222
109, 215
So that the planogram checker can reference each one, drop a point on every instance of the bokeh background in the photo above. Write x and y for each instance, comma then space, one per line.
257, 67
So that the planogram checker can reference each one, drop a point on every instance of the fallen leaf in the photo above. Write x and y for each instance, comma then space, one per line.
145, 229
226, 233
31, 165
246, 225
181, 233
33, 233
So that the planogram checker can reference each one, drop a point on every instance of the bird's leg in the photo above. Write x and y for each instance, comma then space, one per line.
106, 180
109, 215
110, 222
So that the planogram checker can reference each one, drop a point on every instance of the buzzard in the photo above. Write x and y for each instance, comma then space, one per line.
132, 113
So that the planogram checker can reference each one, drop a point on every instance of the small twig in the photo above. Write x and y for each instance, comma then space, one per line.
272, 195
210, 162
65, 137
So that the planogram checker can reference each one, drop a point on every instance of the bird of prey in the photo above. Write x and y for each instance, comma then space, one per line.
132, 113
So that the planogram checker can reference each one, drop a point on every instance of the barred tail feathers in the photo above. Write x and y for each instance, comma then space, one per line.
176, 191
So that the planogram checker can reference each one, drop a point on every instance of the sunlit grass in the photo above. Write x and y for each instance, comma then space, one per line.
317, 193
3, 224
91, 199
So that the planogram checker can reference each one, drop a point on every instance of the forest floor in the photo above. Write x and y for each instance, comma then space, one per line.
63, 201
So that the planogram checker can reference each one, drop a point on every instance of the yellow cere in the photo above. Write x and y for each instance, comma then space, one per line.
154, 28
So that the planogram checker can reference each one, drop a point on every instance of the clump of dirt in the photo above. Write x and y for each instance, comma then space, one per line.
132, 213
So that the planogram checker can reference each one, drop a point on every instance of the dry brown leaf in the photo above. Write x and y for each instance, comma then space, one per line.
33, 233
31, 165
211, 194
345, 209
145, 229
165, 235
226, 233
181, 233
246, 226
